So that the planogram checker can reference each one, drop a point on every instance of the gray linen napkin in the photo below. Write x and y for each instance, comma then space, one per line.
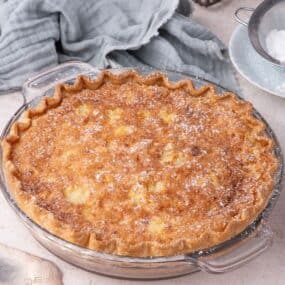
36, 34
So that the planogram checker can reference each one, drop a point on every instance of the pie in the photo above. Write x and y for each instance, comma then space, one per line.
139, 166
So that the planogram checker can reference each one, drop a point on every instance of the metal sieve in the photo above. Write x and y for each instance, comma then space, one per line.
268, 16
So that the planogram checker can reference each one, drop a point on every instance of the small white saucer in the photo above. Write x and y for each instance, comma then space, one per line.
253, 67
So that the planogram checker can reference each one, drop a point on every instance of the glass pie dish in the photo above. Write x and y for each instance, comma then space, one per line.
226, 256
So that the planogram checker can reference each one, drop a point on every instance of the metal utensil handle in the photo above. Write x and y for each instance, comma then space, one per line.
237, 15
45, 80
257, 243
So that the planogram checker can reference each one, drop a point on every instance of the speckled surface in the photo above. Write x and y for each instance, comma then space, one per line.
269, 268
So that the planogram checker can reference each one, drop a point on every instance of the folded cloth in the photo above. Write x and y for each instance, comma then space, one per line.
158, 33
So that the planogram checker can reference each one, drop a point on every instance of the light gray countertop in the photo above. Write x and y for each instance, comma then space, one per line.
269, 268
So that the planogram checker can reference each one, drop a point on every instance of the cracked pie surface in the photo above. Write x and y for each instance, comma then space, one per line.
140, 166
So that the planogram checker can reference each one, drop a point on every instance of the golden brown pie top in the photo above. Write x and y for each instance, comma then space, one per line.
140, 166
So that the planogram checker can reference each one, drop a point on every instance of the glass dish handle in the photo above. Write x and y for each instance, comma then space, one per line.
240, 254
41, 82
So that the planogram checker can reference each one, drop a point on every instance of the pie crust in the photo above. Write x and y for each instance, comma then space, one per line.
140, 166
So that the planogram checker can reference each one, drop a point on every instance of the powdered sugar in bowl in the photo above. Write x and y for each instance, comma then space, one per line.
266, 29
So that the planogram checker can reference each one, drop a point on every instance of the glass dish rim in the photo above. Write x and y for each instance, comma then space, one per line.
157, 259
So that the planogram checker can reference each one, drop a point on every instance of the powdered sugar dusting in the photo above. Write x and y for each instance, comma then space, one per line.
157, 161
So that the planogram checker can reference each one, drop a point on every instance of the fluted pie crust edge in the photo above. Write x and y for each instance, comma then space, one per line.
63, 230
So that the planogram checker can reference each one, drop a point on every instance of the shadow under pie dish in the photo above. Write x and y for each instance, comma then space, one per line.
139, 166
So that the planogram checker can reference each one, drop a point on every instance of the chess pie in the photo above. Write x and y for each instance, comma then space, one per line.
140, 166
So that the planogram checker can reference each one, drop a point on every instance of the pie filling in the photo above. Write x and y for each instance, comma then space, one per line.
140, 166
